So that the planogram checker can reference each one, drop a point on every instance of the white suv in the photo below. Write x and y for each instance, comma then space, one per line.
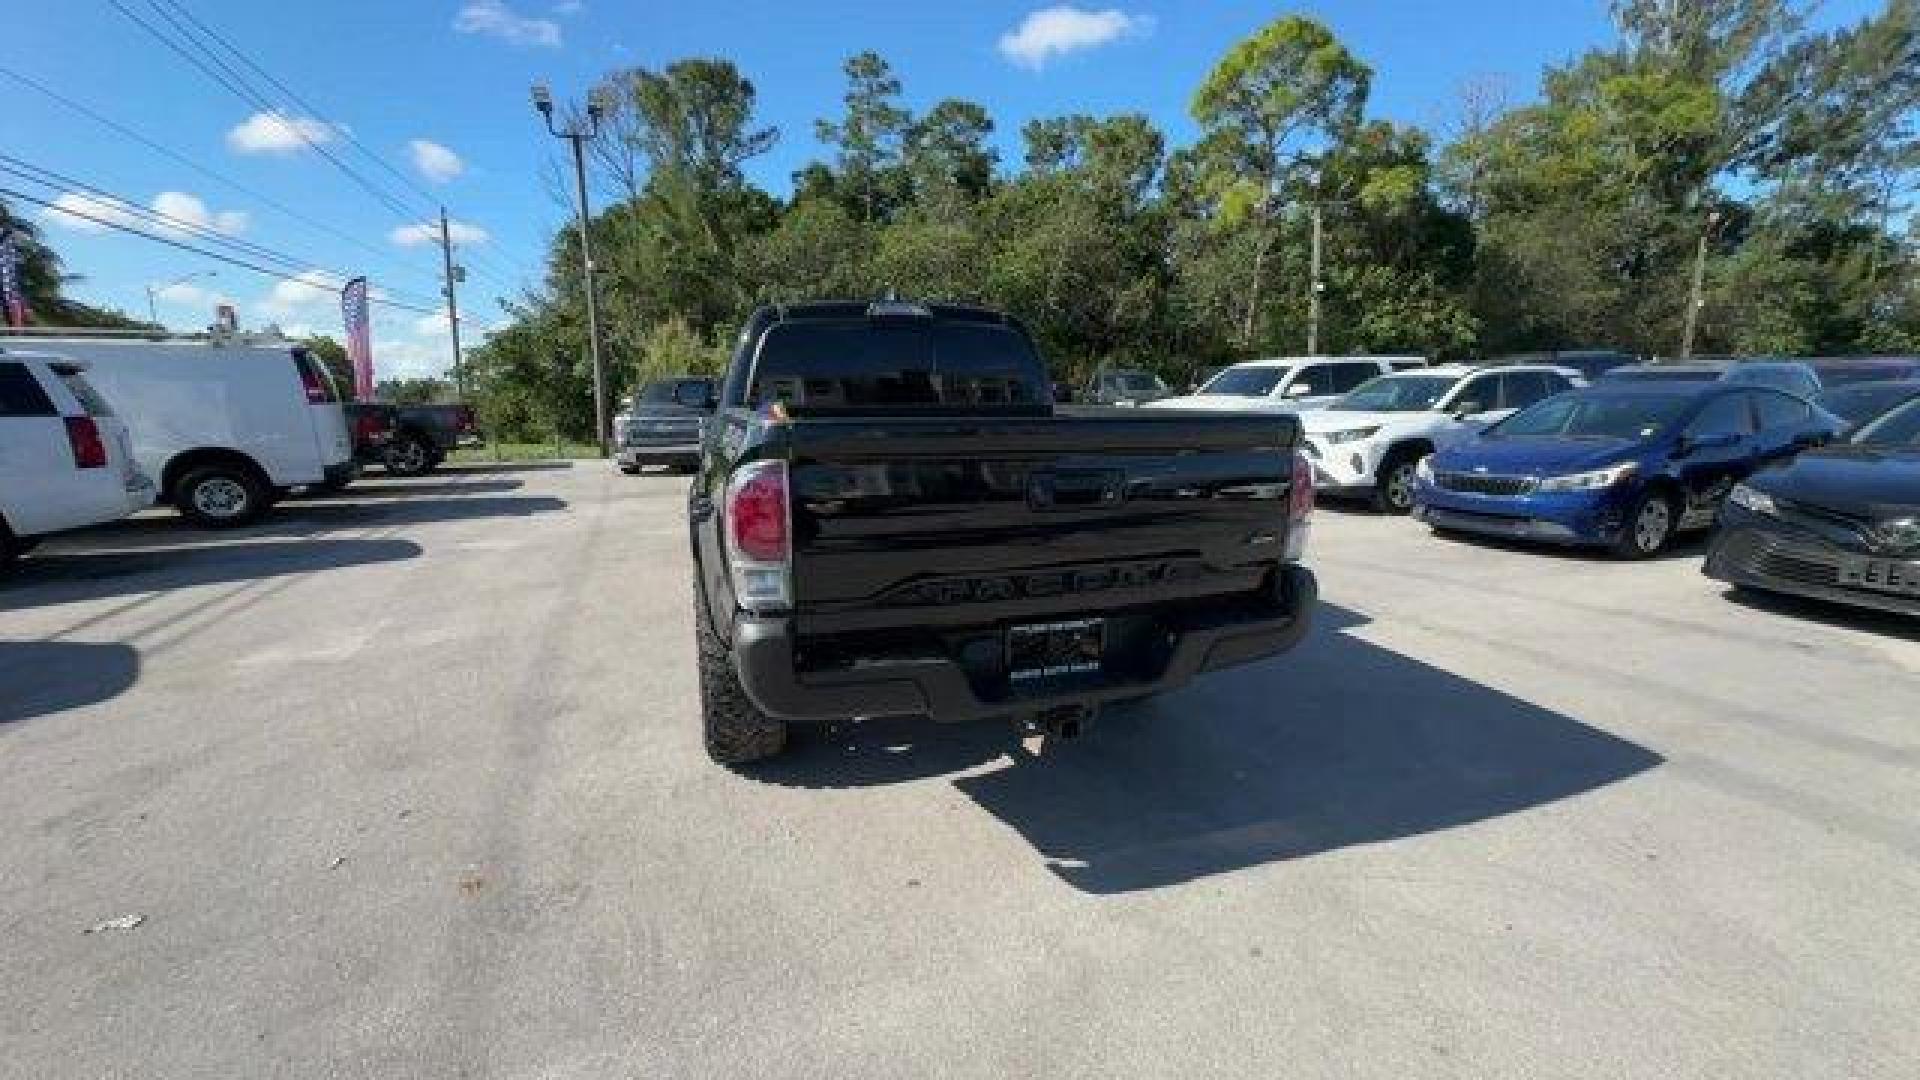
65, 460
1369, 441
1285, 384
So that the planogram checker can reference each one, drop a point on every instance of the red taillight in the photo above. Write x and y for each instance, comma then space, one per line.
1300, 489
464, 418
89, 450
757, 515
370, 426
759, 539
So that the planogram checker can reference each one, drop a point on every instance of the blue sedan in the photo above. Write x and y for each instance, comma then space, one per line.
1619, 465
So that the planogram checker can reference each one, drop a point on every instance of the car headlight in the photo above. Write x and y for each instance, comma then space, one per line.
1423, 469
1752, 499
1589, 481
1335, 438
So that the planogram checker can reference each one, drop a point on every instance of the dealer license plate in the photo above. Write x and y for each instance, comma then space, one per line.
1046, 650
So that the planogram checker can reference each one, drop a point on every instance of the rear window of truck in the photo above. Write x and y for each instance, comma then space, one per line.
908, 366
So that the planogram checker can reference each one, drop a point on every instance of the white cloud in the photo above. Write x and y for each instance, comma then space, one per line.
1057, 31
435, 162
187, 294
401, 357
84, 212
495, 19
308, 295
186, 208
432, 325
278, 133
428, 232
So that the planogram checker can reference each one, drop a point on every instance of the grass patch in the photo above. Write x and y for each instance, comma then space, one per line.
544, 451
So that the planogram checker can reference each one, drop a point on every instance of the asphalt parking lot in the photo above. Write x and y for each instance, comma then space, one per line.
407, 782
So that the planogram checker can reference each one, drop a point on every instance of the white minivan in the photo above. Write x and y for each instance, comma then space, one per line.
65, 461
223, 424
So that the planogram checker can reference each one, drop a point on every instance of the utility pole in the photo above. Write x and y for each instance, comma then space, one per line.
575, 133
1695, 299
1314, 289
454, 274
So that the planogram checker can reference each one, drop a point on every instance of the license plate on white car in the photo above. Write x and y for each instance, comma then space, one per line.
1047, 650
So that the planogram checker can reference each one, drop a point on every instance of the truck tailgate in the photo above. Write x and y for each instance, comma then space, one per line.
965, 521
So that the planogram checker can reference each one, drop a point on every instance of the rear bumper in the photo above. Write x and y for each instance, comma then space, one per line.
640, 455
763, 655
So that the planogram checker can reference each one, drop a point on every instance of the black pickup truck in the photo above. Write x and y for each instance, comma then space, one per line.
888, 519
409, 440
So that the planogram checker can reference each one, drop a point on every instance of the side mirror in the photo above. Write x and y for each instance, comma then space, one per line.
1468, 408
1693, 444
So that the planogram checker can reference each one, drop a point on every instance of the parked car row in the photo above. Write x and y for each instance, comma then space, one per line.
93, 428
1806, 471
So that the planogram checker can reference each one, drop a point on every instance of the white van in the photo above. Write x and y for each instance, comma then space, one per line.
224, 425
65, 461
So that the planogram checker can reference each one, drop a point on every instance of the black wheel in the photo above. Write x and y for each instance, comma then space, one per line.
220, 496
1647, 527
1393, 488
736, 731
409, 455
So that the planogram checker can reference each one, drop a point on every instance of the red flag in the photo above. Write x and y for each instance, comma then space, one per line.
353, 309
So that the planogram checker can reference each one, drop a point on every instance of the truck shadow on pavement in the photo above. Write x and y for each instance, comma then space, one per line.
400, 489
39, 678
64, 575
1336, 744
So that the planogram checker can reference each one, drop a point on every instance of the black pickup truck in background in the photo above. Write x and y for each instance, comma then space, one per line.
408, 440
888, 519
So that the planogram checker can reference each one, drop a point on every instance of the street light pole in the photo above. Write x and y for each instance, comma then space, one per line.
153, 308
575, 134
1695, 299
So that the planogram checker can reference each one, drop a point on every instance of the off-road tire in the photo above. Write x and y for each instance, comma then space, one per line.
736, 731
231, 485
409, 455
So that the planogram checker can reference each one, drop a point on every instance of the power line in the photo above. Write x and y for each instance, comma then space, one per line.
249, 96
179, 158
306, 107
220, 257
49, 178
297, 100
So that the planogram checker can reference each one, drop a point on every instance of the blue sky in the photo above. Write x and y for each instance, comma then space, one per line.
455, 73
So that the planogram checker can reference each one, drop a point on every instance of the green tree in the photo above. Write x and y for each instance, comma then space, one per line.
869, 140
1291, 81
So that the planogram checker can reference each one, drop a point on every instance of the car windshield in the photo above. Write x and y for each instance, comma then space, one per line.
1861, 402
1396, 393
1898, 429
1250, 381
1592, 416
1132, 383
